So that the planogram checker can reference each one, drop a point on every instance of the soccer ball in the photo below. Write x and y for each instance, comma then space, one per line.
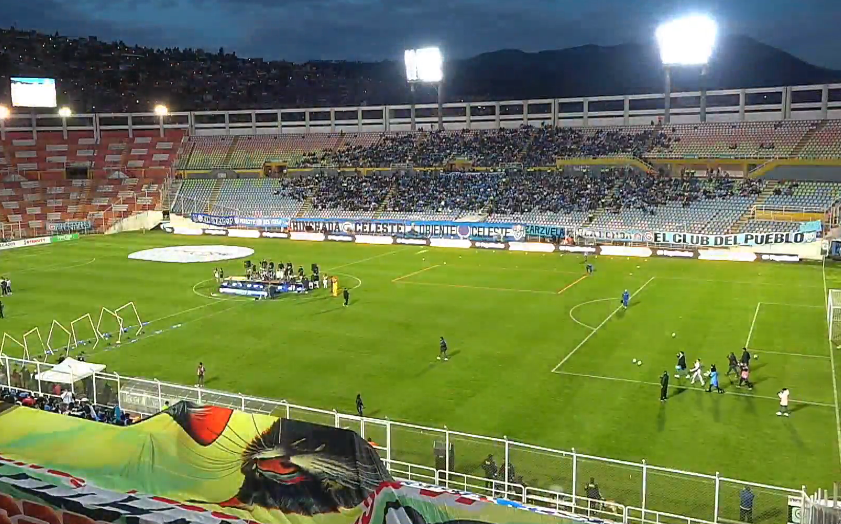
756, 357
634, 361
673, 335
639, 362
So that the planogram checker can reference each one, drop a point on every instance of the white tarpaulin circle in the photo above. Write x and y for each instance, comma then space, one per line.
191, 254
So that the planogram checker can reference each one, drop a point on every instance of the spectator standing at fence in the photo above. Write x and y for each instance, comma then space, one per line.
593, 493
359, 405
200, 374
491, 469
746, 505
67, 397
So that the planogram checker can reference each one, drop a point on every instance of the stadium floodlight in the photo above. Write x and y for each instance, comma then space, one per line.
4, 112
424, 65
65, 112
687, 41
161, 110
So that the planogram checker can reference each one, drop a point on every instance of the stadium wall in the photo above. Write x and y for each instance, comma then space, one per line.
142, 221
814, 102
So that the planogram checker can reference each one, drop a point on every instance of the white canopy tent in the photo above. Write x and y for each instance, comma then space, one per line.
69, 371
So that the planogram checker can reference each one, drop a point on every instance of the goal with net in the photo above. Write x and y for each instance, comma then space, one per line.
833, 316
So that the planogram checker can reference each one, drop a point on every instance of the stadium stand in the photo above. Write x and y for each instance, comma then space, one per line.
732, 140
804, 194
34, 204
145, 155
194, 196
260, 197
770, 226
825, 142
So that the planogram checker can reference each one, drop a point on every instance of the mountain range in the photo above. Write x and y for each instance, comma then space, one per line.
590, 70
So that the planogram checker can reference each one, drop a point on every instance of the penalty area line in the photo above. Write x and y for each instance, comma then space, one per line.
597, 328
570, 285
688, 387
398, 279
364, 260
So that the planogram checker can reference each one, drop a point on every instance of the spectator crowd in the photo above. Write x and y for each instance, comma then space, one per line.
526, 145
514, 191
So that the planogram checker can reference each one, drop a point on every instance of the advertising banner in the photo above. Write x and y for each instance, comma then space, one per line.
72, 225
64, 238
742, 239
24, 243
233, 221
610, 235
427, 229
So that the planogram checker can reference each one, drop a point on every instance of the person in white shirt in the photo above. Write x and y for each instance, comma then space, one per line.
696, 372
66, 397
783, 394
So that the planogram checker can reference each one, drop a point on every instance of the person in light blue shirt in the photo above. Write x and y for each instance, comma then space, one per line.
626, 299
714, 380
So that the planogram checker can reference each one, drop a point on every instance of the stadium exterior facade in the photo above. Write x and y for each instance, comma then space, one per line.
814, 102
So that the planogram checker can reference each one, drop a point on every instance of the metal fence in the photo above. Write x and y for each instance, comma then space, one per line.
638, 491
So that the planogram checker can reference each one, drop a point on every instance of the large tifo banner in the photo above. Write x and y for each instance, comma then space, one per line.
690, 239
237, 221
742, 239
210, 465
428, 229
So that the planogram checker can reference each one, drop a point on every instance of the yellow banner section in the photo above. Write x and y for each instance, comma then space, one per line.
605, 161
788, 216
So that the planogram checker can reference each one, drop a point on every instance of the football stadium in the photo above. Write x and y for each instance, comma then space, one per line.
621, 309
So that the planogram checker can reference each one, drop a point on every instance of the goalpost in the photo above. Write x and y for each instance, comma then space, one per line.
833, 316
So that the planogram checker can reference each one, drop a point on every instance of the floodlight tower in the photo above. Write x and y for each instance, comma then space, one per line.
686, 41
426, 66
4, 114
161, 111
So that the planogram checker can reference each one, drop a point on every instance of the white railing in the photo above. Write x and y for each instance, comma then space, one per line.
790, 209
536, 472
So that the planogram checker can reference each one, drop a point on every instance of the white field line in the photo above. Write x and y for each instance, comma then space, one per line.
353, 277
832, 361
693, 388
398, 279
744, 282
792, 305
56, 267
597, 328
203, 317
481, 288
573, 308
752, 324
788, 353
182, 312
365, 260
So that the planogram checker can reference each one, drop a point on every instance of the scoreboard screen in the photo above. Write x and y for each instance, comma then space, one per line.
33, 92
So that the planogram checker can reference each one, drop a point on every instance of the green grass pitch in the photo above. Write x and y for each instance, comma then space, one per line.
537, 353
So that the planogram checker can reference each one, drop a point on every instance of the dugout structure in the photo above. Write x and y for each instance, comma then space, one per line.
833, 316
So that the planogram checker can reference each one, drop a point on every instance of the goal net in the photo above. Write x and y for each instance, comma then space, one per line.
833, 316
